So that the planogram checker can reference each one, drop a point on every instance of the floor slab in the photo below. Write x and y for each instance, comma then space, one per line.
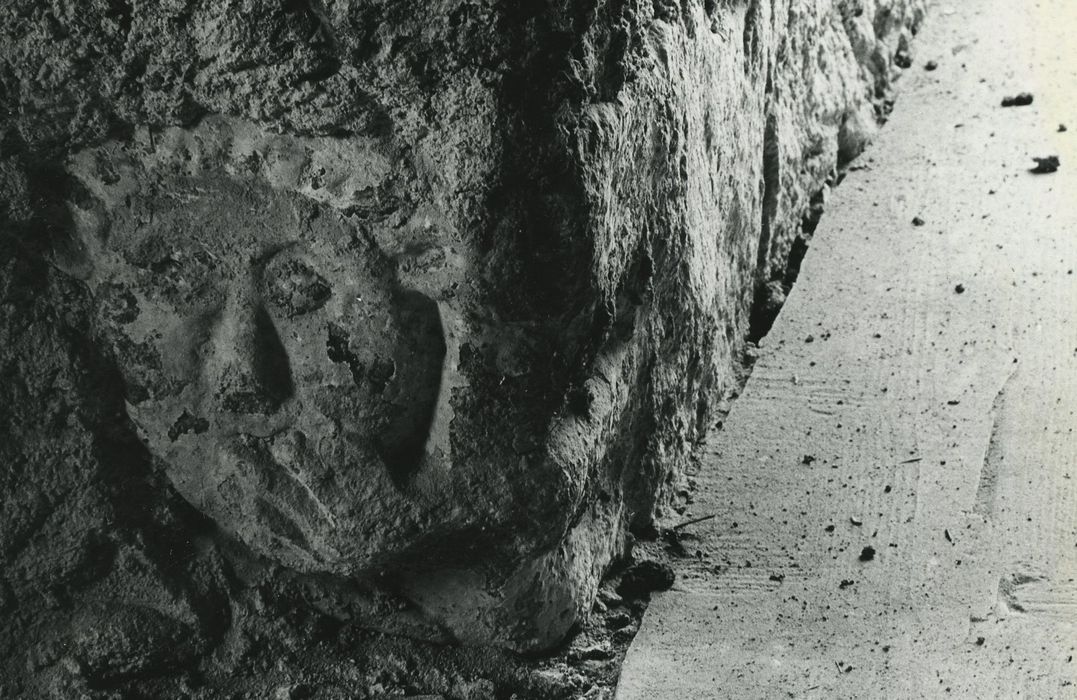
894, 499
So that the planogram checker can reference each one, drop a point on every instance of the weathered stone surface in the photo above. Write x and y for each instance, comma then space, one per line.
434, 301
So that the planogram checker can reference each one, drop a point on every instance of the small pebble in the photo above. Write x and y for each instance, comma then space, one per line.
1022, 100
645, 576
867, 554
594, 652
610, 598
931, 65
960, 288
917, 221
1046, 165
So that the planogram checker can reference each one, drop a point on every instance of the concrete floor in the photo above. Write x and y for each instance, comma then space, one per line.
891, 411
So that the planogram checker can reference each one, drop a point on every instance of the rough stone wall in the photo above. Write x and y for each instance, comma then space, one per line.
581, 200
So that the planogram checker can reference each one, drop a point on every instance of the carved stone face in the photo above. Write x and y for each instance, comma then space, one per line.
273, 362
307, 351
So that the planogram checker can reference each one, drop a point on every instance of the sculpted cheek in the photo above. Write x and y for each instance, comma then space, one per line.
140, 365
151, 353
184, 344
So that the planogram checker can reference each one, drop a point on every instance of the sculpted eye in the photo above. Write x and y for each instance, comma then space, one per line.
117, 304
294, 287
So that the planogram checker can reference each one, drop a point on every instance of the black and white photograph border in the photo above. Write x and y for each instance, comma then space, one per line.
600, 350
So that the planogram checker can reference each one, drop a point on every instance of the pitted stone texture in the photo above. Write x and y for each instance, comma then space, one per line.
441, 298
698, 169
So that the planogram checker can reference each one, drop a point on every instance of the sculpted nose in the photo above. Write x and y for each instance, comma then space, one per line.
248, 369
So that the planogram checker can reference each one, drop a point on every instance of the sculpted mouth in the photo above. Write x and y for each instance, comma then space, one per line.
261, 427
187, 423
277, 475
